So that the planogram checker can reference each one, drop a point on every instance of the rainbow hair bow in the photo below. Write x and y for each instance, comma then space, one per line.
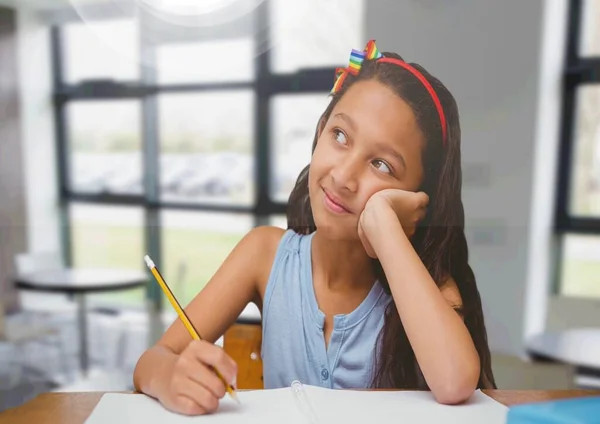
355, 63
371, 52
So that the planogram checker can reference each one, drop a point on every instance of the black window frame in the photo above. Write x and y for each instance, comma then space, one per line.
265, 85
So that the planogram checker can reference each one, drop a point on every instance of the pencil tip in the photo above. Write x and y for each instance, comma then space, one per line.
234, 397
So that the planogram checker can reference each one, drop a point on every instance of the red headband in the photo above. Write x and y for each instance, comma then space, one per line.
371, 52
432, 93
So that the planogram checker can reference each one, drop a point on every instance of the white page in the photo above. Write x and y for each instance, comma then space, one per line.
330, 406
404, 407
260, 406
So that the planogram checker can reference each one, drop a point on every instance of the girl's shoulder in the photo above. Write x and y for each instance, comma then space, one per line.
267, 241
266, 236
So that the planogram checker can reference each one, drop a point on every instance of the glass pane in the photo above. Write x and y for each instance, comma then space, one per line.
580, 276
585, 174
293, 125
205, 62
589, 44
206, 147
101, 50
278, 221
314, 33
105, 147
109, 237
194, 245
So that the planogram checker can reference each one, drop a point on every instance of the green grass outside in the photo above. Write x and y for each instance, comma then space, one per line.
122, 247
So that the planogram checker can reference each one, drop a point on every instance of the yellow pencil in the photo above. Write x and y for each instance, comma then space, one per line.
184, 318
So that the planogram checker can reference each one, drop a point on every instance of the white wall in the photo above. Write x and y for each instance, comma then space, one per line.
38, 133
539, 306
487, 52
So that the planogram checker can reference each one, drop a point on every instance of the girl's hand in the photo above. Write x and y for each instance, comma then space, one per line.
193, 388
406, 206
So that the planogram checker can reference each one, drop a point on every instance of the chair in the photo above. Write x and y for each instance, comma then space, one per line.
17, 333
59, 309
44, 305
47, 309
32, 262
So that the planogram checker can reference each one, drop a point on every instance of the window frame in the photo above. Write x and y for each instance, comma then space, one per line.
265, 85
578, 71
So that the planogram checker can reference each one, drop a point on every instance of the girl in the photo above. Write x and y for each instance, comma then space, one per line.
370, 285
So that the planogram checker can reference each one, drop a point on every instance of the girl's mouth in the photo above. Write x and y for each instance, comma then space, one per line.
334, 204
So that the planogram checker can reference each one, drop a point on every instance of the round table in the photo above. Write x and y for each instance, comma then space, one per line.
79, 282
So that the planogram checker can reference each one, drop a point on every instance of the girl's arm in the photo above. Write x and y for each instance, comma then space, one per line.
442, 344
214, 309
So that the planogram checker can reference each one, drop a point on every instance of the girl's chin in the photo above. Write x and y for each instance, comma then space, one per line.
335, 229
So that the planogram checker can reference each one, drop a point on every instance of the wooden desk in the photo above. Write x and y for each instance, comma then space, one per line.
75, 408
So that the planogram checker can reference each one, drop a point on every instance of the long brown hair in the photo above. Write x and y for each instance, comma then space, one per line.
439, 239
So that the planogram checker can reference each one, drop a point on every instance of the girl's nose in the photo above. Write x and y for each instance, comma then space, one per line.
345, 175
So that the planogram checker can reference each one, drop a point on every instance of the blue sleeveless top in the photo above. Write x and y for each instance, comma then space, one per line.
293, 341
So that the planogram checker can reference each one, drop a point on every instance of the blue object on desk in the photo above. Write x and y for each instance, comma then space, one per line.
584, 410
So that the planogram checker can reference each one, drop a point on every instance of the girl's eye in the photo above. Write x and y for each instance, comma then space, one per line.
382, 166
340, 137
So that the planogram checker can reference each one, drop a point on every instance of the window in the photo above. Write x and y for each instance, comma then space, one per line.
581, 266
108, 237
329, 29
206, 146
578, 200
585, 174
278, 221
294, 121
194, 244
589, 34
193, 62
105, 146
101, 50
175, 141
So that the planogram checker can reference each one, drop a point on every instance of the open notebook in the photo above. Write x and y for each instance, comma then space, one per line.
307, 405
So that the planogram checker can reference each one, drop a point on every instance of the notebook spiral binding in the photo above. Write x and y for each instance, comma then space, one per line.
303, 403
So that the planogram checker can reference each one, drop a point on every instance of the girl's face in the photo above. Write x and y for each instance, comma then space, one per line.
371, 142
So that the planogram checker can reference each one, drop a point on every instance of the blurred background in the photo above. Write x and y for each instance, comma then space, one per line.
172, 128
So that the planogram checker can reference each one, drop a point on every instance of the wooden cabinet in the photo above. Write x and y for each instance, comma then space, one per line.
243, 343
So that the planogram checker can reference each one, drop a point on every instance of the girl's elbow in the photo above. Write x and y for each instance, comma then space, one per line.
454, 394
456, 390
